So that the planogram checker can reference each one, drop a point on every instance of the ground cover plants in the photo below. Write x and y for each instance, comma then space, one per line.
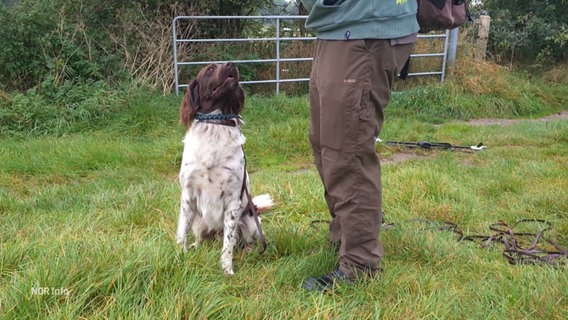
88, 211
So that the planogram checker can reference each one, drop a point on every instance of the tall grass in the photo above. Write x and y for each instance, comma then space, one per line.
88, 215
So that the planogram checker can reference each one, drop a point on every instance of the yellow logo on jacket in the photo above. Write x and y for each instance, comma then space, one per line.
399, 2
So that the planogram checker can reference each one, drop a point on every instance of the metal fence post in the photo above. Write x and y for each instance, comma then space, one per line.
452, 47
176, 75
278, 56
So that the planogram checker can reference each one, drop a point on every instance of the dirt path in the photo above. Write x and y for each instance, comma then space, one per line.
406, 155
487, 122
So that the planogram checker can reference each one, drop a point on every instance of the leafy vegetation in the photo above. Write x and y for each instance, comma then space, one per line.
115, 42
130, 42
528, 31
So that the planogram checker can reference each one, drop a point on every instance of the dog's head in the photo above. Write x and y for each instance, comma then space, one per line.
216, 87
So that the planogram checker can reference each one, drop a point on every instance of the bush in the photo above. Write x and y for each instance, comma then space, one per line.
22, 62
528, 31
112, 41
59, 109
57, 40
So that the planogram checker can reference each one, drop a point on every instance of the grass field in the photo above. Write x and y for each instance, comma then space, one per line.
88, 214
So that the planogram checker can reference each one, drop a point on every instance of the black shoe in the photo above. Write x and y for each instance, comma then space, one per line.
327, 281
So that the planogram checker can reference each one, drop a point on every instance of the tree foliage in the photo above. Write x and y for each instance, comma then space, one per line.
47, 43
529, 30
54, 41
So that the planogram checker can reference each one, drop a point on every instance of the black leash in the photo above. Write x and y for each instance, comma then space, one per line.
432, 145
515, 250
517, 253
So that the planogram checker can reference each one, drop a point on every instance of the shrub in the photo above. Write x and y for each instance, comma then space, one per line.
528, 30
59, 109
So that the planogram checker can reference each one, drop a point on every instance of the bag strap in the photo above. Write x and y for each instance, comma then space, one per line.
404, 71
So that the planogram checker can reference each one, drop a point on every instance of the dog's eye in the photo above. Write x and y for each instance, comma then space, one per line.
211, 68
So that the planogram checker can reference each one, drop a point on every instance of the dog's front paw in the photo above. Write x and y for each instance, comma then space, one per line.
227, 266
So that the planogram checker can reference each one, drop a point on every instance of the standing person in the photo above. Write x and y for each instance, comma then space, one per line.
360, 48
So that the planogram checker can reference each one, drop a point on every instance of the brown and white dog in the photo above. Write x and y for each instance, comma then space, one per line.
213, 174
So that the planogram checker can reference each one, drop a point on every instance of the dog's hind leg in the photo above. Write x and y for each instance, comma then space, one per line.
230, 237
200, 230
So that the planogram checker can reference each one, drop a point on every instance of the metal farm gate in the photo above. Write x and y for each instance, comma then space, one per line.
279, 23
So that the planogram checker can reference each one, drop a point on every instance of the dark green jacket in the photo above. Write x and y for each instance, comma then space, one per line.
362, 19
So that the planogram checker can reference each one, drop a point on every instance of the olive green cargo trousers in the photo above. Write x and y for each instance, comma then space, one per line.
350, 85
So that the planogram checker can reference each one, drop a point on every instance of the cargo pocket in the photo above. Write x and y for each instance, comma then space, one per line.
340, 112
368, 126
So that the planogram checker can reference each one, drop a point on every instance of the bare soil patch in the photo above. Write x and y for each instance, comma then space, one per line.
563, 115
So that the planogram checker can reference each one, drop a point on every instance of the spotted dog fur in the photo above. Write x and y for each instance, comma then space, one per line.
213, 163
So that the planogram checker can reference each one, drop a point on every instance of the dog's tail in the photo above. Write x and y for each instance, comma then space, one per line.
263, 202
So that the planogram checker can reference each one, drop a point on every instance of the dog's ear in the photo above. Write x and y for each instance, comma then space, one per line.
195, 94
190, 104
237, 104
